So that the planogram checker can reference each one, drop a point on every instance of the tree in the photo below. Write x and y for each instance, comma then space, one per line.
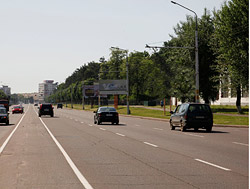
207, 61
3, 95
232, 43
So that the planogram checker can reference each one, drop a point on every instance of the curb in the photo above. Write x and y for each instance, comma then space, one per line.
167, 120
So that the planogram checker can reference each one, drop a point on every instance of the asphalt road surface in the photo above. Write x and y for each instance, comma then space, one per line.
69, 151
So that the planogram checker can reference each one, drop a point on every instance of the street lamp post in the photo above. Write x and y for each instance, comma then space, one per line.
197, 99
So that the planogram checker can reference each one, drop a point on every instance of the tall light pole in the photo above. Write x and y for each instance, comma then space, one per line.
197, 98
127, 78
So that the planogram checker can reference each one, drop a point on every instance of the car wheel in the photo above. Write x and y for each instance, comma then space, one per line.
117, 123
209, 129
171, 125
94, 121
7, 122
98, 122
39, 115
183, 127
196, 129
52, 115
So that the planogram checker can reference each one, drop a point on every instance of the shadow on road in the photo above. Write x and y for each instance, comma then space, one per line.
201, 131
106, 124
4, 125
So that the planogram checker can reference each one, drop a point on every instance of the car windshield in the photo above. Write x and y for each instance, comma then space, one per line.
194, 108
2, 111
16, 107
107, 109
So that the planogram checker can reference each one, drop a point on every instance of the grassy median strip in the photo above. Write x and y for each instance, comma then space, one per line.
155, 113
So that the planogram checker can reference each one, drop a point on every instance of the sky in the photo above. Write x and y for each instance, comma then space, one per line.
49, 39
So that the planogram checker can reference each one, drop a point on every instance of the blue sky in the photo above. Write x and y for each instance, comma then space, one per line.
49, 39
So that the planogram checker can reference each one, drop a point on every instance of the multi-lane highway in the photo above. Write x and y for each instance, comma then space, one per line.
70, 151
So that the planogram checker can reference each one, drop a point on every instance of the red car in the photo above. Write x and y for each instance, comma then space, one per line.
17, 109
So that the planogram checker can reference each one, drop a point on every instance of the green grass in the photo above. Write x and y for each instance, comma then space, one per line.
230, 120
228, 109
144, 112
218, 119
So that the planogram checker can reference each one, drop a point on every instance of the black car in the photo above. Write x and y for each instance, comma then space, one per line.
192, 115
106, 114
46, 109
4, 116
59, 105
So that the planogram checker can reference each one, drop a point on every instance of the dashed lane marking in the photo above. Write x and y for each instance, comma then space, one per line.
158, 129
194, 135
150, 144
120, 134
211, 164
240, 143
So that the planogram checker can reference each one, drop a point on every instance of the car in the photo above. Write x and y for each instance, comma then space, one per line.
35, 104
17, 109
46, 109
59, 105
192, 115
106, 114
4, 116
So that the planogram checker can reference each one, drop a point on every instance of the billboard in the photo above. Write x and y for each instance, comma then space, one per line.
90, 91
113, 86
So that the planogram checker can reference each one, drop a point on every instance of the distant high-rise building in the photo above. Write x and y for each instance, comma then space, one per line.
45, 89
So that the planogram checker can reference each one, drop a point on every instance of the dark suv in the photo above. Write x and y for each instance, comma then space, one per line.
46, 109
4, 116
192, 115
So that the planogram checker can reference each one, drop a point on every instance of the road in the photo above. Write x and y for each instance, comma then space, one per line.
70, 151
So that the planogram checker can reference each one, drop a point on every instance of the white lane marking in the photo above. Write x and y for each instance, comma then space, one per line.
137, 125
241, 143
193, 135
90, 125
79, 175
120, 134
76, 120
7, 140
151, 144
103, 129
158, 129
82, 122
217, 166
71, 118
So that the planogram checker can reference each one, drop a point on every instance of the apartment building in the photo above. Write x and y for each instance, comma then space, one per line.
45, 89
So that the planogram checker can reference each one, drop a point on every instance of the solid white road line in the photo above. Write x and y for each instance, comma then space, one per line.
79, 175
151, 144
241, 143
120, 134
7, 140
193, 135
211, 164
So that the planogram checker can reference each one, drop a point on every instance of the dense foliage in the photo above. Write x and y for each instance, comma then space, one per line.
223, 52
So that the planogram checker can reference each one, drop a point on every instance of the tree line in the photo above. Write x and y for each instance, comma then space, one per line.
223, 37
